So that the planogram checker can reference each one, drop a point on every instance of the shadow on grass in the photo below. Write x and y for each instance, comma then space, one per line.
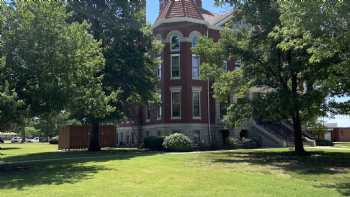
55, 168
316, 163
9, 148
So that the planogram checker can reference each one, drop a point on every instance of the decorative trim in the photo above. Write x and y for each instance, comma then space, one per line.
185, 19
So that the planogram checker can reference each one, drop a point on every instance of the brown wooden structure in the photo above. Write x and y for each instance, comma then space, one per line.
77, 137
341, 135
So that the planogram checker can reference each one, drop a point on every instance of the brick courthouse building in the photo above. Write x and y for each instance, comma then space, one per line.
186, 105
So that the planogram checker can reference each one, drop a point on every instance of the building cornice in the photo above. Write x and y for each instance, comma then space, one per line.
185, 19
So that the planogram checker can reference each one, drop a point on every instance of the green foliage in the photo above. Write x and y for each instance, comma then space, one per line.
324, 143
292, 53
51, 64
177, 142
11, 108
50, 124
32, 131
153, 142
128, 47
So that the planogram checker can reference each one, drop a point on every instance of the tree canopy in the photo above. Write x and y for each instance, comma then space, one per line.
52, 64
291, 56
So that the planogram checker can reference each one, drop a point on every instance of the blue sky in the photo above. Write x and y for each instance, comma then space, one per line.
152, 12
153, 9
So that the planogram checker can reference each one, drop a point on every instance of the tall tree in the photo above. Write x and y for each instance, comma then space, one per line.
51, 64
128, 47
11, 108
282, 58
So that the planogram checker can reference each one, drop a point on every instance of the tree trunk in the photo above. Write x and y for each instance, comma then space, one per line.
298, 133
94, 141
23, 134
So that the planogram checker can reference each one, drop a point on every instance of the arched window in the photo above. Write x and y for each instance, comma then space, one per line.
194, 41
175, 43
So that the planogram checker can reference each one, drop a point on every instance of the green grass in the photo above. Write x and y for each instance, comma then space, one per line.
342, 144
39, 170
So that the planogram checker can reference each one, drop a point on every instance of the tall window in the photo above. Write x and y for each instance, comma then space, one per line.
195, 60
175, 66
148, 112
238, 64
195, 67
196, 104
225, 66
194, 41
159, 69
175, 104
159, 113
175, 43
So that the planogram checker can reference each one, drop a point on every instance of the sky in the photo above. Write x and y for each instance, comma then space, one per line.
152, 14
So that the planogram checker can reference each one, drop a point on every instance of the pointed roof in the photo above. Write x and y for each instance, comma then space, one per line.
175, 10
181, 8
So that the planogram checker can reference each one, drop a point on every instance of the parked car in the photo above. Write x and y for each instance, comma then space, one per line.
16, 140
1, 141
54, 140
36, 140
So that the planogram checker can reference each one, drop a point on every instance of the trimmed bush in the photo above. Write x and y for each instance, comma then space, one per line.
324, 143
177, 142
250, 143
153, 142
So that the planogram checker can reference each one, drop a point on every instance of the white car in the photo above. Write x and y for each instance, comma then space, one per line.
16, 140
35, 140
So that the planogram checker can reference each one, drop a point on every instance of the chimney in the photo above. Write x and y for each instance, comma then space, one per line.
198, 3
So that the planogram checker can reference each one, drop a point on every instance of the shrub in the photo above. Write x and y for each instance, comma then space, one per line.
233, 142
177, 142
324, 143
53, 140
250, 143
153, 142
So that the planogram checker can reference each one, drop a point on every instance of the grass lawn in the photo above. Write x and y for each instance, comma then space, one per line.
342, 144
128, 172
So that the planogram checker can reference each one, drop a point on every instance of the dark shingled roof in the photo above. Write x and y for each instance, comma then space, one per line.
188, 8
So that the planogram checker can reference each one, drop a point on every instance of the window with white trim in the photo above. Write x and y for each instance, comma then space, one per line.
195, 67
196, 104
194, 41
175, 66
159, 69
176, 104
175, 43
159, 112
238, 64
225, 65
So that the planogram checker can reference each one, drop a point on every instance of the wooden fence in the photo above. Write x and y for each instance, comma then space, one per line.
77, 137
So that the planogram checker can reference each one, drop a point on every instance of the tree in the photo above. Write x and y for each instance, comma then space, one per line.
11, 107
51, 64
285, 62
128, 47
